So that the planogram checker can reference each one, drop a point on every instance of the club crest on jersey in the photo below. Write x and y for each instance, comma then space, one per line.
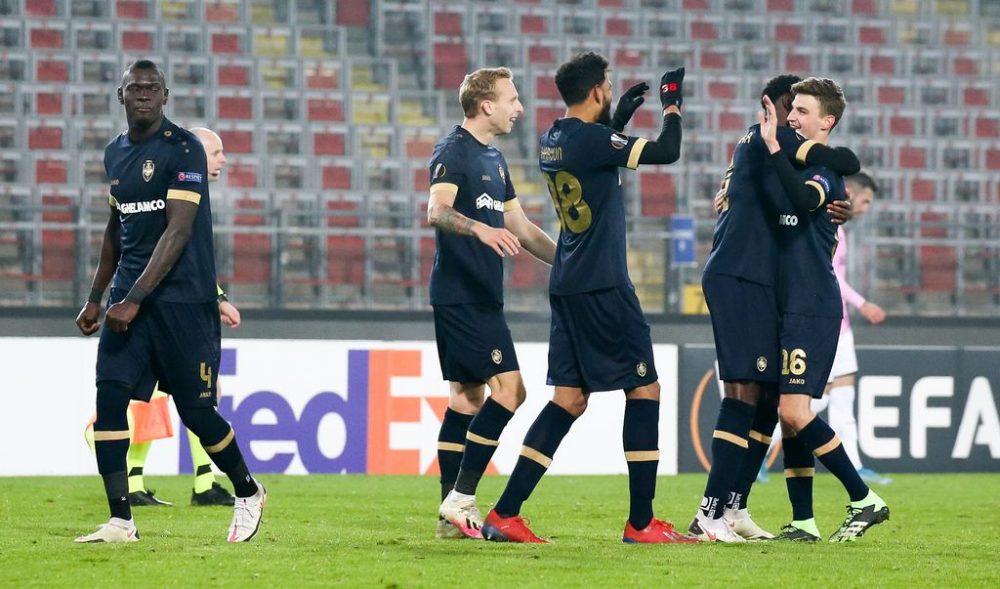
440, 171
761, 363
497, 356
485, 201
148, 167
640, 369
618, 141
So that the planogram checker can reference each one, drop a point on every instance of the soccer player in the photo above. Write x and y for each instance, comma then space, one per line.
206, 490
738, 282
478, 221
811, 309
840, 393
599, 339
162, 320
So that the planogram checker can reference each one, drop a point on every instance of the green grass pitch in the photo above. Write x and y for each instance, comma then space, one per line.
368, 531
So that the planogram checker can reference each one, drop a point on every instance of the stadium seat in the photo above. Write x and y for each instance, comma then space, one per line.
864, 7
780, 5
658, 194
132, 9
329, 141
273, 42
541, 52
873, 32
136, 39
447, 24
991, 157
938, 265
789, 33
617, 26
59, 245
251, 250
883, 63
320, 75
535, 24
891, 93
45, 136
53, 69
50, 169
241, 173
345, 253
352, 13
703, 29
234, 106
451, 63
327, 108
49, 103
41, 8
966, 65
545, 115
226, 41
420, 144
975, 94
233, 73
545, 86
912, 157
987, 125
905, 123
47, 37
336, 175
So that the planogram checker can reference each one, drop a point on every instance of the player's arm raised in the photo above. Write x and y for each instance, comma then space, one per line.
666, 149
88, 320
180, 219
804, 195
442, 214
531, 236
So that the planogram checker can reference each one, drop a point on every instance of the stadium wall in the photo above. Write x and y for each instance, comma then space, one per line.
361, 393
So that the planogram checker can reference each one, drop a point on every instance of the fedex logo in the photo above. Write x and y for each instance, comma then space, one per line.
383, 418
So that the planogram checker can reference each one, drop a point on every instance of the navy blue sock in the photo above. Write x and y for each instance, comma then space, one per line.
481, 442
729, 446
640, 438
540, 445
824, 443
219, 441
111, 440
451, 446
765, 418
800, 469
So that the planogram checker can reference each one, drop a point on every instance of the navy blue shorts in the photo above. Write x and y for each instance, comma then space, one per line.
745, 327
177, 345
599, 341
473, 342
808, 347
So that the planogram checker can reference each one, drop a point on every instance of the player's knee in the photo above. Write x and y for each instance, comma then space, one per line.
112, 406
794, 417
204, 422
575, 405
510, 396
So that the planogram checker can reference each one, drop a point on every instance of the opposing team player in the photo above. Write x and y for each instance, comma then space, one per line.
599, 339
739, 288
162, 321
840, 393
478, 222
810, 304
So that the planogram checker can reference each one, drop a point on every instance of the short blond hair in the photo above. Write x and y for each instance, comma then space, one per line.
828, 93
480, 85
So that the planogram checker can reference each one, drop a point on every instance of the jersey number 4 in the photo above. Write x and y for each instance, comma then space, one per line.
567, 195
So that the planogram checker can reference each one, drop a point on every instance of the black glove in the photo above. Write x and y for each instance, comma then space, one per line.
627, 105
671, 92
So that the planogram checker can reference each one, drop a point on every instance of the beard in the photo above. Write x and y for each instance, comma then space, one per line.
605, 116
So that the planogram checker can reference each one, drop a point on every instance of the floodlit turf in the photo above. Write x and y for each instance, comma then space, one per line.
378, 532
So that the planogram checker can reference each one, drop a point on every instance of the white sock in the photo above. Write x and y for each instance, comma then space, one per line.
818, 405
841, 419
456, 496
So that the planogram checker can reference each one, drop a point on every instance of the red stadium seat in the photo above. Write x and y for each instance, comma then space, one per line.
798, 62
336, 177
923, 190
233, 74
975, 96
58, 245
902, 124
132, 9
251, 251
618, 27
789, 33
45, 38
137, 40
49, 103
239, 175
448, 24
223, 12
703, 31
891, 94
237, 140
353, 13
41, 8
873, 34
882, 65
714, 60
52, 70
658, 193
321, 79
721, 90
329, 142
545, 87
45, 137
451, 64
420, 146
992, 157
235, 107
541, 54
780, 5
696, 5
987, 126
938, 266
227, 43
965, 66
324, 109
534, 24
545, 115
864, 7
345, 253
50, 171
912, 157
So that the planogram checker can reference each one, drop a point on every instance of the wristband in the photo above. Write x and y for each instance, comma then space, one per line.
222, 298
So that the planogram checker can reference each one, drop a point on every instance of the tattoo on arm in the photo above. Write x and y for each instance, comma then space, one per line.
451, 221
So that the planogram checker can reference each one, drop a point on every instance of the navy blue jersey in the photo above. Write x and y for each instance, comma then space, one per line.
807, 284
466, 270
580, 163
744, 244
171, 164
